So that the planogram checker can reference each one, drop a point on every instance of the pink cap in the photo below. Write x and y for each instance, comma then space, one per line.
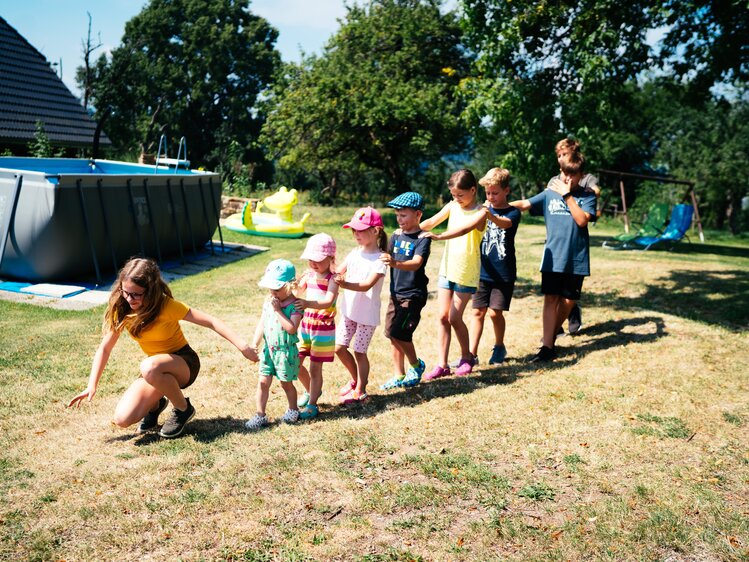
319, 247
364, 218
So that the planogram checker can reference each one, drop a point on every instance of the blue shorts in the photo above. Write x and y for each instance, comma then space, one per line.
443, 283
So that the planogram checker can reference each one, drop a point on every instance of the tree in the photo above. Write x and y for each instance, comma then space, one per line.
188, 67
84, 74
548, 69
382, 98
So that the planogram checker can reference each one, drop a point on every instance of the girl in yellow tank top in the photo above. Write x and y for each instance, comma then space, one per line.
459, 269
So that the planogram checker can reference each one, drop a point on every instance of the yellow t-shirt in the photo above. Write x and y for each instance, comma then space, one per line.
164, 334
461, 260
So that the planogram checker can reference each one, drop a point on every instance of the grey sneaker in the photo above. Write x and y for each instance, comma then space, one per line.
175, 423
499, 352
575, 320
291, 416
151, 419
257, 422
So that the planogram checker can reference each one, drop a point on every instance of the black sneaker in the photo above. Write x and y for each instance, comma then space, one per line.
151, 419
575, 320
175, 423
544, 354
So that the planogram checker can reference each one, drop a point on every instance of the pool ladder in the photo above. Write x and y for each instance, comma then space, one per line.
176, 162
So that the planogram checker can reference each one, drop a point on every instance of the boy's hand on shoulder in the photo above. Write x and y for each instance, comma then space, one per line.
301, 304
428, 234
340, 279
398, 231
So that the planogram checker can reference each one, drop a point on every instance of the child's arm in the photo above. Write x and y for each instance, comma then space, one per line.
289, 325
501, 222
257, 337
330, 296
580, 217
437, 219
97, 368
361, 286
408, 265
207, 321
479, 221
521, 204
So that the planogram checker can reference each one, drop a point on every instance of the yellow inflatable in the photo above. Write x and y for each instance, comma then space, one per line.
279, 223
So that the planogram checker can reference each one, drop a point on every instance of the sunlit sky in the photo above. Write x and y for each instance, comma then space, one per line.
57, 28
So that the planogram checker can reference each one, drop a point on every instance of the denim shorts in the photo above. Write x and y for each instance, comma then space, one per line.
443, 283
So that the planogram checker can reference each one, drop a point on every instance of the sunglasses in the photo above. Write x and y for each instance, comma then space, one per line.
133, 296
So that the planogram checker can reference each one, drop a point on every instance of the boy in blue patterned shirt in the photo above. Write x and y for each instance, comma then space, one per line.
407, 258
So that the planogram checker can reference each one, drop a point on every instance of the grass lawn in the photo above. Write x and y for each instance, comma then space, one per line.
633, 445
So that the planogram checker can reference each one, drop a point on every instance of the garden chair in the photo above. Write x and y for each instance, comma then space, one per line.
654, 225
681, 221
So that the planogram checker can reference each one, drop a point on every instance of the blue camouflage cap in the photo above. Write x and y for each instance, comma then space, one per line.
408, 200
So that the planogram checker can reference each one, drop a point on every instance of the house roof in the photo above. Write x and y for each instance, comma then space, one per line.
31, 91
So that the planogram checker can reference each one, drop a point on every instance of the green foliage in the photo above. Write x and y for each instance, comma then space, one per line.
379, 104
189, 67
658, 426
539, 491
40, 147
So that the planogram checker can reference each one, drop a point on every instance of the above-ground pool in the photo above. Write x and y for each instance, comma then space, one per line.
69, 219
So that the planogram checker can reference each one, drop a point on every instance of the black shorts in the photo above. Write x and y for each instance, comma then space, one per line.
402, 317
493, 295
567, 285
193, 362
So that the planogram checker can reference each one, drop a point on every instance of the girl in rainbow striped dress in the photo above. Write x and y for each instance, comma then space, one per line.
317, 331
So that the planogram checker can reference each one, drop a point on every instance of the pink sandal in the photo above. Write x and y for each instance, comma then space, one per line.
437, 372
346, 388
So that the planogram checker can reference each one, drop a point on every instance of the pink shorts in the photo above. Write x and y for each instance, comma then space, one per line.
360, 333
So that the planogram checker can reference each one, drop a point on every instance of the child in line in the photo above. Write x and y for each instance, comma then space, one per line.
407, 257
567, 209
142, 304
459, 269
498, 265
588, 181
277, 328
317, 331
361, 275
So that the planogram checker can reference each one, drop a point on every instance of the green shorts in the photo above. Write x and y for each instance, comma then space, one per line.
280, 363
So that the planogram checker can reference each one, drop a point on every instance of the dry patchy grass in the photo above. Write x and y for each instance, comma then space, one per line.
631, 446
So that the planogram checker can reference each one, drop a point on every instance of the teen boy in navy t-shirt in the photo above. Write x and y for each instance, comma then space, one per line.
498, 265
407, 258
567, 208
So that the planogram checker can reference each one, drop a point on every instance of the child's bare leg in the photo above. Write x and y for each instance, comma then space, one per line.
477, 328
550, 327
362, 362
409, 351
315, 381
399, 368
444, 300
263, 389
498, 320
344, 355
563, 311
458, 306
304, 375
290, 390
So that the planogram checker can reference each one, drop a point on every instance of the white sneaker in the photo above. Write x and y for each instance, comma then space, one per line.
257, 422
291, 416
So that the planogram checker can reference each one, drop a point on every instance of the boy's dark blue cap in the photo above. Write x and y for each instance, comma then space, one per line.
407, 200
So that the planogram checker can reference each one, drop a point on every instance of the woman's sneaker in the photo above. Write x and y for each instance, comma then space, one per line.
544, 354
499, 353
291, 416
437, 372
151, 419
257, 422
176, 422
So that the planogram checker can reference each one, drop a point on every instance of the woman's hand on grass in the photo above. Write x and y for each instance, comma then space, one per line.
87, 395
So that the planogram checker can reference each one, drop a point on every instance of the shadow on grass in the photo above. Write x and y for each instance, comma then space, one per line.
682, 248
202, 430
597, 337
719, 297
